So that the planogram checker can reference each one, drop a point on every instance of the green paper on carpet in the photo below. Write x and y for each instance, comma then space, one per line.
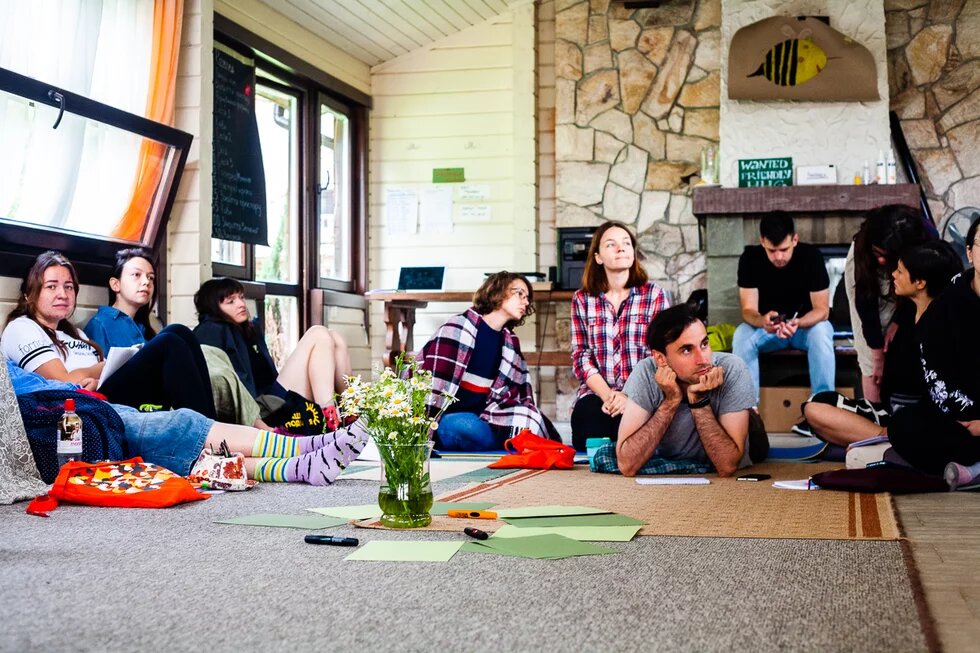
580, 533
539, 547
403, 551
609, 519
307, 522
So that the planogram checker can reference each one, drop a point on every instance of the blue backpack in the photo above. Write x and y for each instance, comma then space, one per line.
102, 429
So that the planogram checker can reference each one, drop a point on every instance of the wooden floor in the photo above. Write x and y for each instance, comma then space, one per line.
944, 531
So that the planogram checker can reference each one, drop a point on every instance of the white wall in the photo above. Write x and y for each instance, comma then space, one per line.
466, 101
845, 134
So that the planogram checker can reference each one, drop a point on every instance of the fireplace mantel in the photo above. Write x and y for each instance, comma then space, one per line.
823, 215
710, 202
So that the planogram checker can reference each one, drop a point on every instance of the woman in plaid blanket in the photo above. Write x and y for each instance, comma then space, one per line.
610, 315
478, 369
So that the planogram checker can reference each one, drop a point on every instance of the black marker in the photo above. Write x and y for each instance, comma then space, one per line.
331, 539
476, 532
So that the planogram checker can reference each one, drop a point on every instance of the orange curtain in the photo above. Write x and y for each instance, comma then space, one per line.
160, 108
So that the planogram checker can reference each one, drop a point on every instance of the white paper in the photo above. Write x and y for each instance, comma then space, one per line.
673, 480
436, 210
116, 358
802, 484
474, 193
479, 212
401, 211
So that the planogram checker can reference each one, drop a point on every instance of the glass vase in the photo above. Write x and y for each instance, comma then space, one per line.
405, 496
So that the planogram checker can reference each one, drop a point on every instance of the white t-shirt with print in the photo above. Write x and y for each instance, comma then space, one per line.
26, 344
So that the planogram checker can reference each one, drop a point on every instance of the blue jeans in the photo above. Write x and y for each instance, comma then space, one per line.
817, 341
169, 438
467, 432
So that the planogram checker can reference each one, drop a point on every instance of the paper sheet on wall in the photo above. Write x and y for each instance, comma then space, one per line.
473, 193
436, 210
401, 211
479, 212
116, 358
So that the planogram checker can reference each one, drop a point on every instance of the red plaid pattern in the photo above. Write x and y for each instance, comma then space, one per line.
609, 344
510, 403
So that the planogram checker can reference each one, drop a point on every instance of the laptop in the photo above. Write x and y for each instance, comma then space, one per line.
421, 278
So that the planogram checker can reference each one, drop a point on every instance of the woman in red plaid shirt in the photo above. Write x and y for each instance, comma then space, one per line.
610, 315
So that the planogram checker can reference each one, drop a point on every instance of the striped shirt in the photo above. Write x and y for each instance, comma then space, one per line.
608, 342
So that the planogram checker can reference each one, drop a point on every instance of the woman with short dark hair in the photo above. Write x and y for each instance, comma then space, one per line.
610, 314
310, 376
479, 375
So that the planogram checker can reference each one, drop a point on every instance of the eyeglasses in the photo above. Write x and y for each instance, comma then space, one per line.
519, 292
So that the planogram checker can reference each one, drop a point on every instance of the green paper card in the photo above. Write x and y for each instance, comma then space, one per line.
406, 551
548, 511
541, 547
307, 522
442, 507
577, 520
363, 511
580, 533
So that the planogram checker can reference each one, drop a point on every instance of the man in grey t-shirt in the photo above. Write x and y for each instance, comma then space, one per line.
684, 401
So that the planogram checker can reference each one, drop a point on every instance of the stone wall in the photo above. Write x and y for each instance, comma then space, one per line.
636, 101
934, 79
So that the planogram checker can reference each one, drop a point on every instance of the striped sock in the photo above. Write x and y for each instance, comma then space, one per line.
273, 445
320, 466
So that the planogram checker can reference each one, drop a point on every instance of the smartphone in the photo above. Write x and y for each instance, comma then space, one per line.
753, 477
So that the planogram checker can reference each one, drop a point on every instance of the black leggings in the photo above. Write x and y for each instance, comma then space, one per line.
168, 371
588, 421
928, 439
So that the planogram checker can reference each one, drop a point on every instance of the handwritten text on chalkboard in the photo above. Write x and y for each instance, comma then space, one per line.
238, 178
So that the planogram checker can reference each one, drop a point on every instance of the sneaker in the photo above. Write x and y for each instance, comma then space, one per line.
803, 428
962, 476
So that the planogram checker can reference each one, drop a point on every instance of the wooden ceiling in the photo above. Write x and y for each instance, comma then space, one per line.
374, 31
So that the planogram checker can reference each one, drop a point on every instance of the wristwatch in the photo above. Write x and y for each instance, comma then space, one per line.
700, 403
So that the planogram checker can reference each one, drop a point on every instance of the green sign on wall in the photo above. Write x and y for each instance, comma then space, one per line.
447, 175
765, 172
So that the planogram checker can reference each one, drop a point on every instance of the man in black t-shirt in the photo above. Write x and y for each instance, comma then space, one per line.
783, 290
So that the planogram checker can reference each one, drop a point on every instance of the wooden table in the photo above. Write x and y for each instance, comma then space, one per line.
399, 314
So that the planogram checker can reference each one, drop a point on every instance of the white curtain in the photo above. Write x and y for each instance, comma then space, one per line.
80, 176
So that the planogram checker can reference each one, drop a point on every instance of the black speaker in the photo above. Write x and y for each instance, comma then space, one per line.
573, 249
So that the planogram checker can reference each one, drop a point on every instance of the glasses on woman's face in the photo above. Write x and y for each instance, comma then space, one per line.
519, 292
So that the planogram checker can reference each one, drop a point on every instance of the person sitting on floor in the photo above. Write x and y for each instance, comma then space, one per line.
783, 290
941, 433
610, 314
126, 322
310, 377
175, 438
886, 232
476, 358
922, 273
40, 337
688, 409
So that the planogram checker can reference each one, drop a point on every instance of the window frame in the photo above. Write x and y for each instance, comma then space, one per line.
316, 86
93, 256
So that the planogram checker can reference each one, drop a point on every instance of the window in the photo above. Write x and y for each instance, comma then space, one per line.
82, 176
312, 139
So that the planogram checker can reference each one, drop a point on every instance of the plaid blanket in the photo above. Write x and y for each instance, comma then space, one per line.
511, 401
604, 462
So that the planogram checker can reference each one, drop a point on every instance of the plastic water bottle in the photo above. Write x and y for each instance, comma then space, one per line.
69, 435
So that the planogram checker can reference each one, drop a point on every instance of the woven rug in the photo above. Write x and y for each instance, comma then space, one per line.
725, 508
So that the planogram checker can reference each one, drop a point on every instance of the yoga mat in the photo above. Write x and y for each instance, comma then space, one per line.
725, 508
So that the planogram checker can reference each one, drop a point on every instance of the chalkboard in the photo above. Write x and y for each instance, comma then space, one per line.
238, 177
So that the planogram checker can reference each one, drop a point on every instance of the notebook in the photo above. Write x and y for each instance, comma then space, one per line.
421, 278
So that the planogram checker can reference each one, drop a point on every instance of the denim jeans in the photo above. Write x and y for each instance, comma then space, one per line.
467, 432
817, 341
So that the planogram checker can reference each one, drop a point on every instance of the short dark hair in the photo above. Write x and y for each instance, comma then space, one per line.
775, 226
668, 325
935, 262
971, 233
493, 292
123, 257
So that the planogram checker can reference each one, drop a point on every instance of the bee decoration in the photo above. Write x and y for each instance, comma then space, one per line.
794, 61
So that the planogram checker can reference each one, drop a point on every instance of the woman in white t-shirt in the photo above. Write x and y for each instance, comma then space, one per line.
40, 337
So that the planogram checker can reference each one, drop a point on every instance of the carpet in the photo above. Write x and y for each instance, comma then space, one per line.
725, 508
173, 580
